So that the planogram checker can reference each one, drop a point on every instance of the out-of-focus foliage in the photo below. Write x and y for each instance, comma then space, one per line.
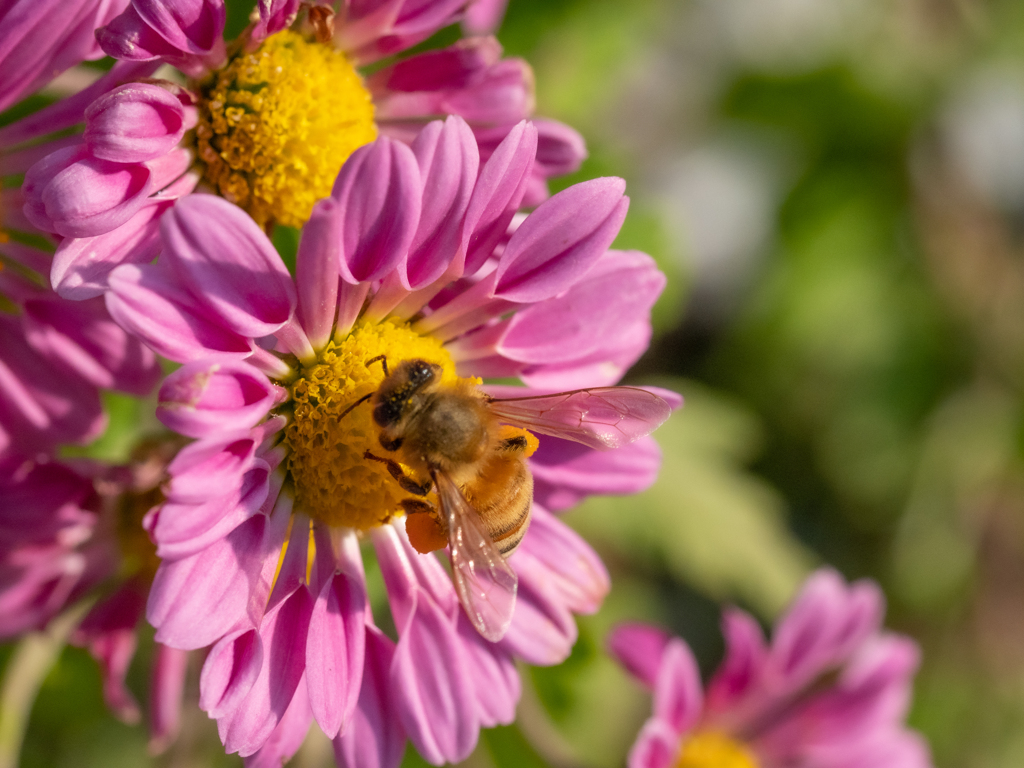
835, 189
842, 181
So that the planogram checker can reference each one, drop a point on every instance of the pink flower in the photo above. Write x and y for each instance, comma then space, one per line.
54, 358
268, 127
412, 258
831, 691
73, 530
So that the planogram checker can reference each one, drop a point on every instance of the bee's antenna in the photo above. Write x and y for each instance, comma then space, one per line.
383, 361
360, 401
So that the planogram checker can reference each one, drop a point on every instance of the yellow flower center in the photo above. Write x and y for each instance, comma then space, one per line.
276, 125
333, 480
138, 553
715, 750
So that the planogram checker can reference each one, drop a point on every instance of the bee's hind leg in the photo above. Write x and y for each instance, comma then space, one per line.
423, 526
408, 484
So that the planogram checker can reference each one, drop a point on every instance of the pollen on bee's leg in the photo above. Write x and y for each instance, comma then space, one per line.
518, 440
425, 533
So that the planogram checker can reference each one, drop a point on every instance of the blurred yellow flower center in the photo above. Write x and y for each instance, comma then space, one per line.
333, 481
276, 125
715, 750
138, 553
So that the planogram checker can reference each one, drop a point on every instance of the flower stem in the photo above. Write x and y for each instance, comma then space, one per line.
27, 668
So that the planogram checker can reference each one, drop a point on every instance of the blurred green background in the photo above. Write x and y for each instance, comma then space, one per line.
835, 189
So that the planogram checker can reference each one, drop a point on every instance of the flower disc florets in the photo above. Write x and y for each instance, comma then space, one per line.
277, 123
715, 750
333, 480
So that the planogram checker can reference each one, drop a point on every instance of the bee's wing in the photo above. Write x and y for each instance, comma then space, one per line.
602, 418
484, 581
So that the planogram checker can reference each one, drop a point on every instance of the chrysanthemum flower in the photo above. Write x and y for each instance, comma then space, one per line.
266, 121
831, 690
260, 534
53, 357
72, 531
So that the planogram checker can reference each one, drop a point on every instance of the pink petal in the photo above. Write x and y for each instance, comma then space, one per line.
213, 395
275, 15
562, 565
184, 529
223, 258
560, 241
494, 676
406, 572
378, 28
826, 622
591, 316
211, 467
199, 599
484, 16
133, 123
246, 727
167, 686
378, 193
93, 196
639, 648
185, 33
317, 266
502, 96
436, 70
82, 336
286, 738
742, 668
129, 38
448, 163
145, 301
293, 565
82, 265
657, 746
42, 39
335, 650
678, 696
193, 26
374, 738
601, 368
38, 179
498, 193
543, 631
564, 472
436, 703
109, 632
69, 110
36, 401
560, 149
230, 671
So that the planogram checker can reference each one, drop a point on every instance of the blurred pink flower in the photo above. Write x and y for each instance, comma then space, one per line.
831, 691
148, 143
71, 530
411, 256
54, 357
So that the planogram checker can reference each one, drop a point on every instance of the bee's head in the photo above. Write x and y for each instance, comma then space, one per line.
397, 391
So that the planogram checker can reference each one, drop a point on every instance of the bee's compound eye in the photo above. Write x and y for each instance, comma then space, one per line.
420, 372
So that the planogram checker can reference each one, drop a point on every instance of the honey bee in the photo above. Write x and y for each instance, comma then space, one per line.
471, 448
